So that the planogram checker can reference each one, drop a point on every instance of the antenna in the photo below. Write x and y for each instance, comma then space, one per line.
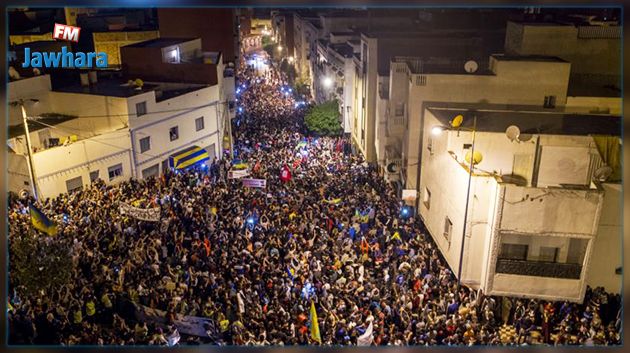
602, 173
471, 66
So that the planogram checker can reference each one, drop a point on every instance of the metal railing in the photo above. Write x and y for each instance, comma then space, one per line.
539, 268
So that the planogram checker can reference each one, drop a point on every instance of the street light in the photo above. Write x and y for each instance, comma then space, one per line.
20, 102
280, 48
328, 82
456, 125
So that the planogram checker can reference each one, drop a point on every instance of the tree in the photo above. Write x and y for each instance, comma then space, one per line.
40, 262
269, 48
323, 119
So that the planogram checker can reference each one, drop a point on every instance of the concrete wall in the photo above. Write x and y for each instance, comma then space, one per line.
594, 105
18, 178
37, 87
160, 118
204, 23
110, 42
521, 82
587, 55
54, 166
607, 249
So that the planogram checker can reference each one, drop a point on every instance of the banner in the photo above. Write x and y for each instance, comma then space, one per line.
409, 194
254, 183
189, 325
143, 214
237, 174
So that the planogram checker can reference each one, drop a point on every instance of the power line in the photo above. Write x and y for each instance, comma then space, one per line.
97, 141
148, 113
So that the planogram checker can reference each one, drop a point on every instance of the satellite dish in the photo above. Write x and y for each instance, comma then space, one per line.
471, 66
524, 137
477, 159
392, 168
513, 132
457, 121
24, 194
602, 173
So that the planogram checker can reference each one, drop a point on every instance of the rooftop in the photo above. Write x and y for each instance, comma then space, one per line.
50, 119
110, 87
160, 42
540, 58
530, 119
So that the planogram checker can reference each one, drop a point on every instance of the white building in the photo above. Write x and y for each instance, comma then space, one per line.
108, 129
538, 216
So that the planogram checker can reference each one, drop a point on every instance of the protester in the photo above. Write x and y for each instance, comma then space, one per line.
252, 260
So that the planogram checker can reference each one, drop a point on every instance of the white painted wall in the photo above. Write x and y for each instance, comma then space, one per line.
607, 249
56, 165
515, 82
37, 87
180, 111
594, 105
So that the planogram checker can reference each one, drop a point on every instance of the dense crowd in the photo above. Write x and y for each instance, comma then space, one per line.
253, 259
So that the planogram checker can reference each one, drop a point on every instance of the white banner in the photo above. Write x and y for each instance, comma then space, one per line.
237, 174
409, 194
144, 214
254, 183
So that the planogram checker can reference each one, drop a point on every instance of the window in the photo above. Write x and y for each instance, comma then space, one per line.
199, 125
548, 254
400, 109
151, 171
93, 176
74, 184
141, 108
427, 198
174, 133
145, 144
550, 102
114, 171
514, 251
448, 228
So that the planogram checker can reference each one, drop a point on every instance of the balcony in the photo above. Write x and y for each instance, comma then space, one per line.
539, 268
396, 117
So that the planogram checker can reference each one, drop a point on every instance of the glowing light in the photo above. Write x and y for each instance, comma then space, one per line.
437, 130
328, 82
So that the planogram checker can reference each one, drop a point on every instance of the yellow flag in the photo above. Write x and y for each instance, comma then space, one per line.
314, 324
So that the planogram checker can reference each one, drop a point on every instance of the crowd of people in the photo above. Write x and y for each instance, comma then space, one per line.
254, 260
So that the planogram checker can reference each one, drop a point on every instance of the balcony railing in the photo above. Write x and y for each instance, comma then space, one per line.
539, 269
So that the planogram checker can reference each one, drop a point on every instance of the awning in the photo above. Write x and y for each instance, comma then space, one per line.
188, 157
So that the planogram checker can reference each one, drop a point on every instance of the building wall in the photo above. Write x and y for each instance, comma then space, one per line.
513, 83
110, 42
595, 105
204, 23
595, 55
18, 177
348, 95
505, 211
36, 87
607, 249
54, 166
158, 121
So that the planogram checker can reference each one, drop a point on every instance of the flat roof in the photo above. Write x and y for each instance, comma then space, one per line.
541, 58
160, 42
110, 87
50, 119
529, 119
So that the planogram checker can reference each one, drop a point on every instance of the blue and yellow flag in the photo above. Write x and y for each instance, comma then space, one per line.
314, 324
41, 222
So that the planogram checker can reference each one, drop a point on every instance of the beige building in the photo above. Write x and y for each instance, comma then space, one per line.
543, 211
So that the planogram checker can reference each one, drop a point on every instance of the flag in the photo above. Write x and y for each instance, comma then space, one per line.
291, 272
314, 324
285, 175
41, 222
366, 338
